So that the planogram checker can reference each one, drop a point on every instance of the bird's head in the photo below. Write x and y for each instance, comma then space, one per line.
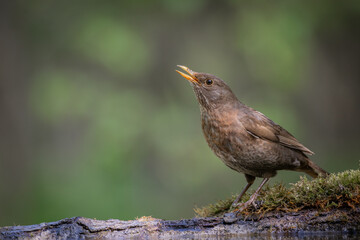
210, 90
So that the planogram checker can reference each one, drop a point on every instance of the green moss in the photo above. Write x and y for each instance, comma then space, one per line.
336, 190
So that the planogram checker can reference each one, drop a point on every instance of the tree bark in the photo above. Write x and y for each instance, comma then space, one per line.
313, 222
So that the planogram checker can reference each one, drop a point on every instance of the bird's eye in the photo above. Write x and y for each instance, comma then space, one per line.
209, 82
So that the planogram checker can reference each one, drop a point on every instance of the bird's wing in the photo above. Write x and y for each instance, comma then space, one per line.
258, 125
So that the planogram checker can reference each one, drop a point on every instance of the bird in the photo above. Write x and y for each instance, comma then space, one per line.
245, 139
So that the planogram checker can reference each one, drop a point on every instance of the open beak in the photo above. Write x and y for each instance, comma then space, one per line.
190, 76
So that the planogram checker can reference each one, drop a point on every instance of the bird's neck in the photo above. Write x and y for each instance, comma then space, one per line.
221, 108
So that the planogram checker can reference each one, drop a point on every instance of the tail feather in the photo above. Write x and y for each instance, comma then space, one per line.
314, 170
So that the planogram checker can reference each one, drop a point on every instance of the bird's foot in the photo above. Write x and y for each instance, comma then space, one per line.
239, 207
246, 204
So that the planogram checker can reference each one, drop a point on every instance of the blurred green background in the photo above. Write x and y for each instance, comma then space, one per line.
95, 122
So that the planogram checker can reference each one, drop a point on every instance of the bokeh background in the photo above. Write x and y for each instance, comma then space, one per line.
95, 122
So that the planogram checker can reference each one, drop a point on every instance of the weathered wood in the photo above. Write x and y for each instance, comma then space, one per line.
340, 221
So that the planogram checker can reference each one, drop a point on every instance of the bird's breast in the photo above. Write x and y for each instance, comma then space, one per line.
223, 132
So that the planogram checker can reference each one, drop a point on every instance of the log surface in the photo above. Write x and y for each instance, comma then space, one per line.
313, 222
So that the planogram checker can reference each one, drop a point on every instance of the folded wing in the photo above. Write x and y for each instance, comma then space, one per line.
258, 125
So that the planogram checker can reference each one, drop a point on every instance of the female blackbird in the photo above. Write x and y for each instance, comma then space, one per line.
243, 138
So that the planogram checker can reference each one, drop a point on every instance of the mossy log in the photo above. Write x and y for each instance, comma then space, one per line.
323, 206
313, 222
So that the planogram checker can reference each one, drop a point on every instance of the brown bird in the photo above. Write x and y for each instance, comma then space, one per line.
244, 139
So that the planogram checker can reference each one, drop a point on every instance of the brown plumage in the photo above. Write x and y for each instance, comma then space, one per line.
244, 139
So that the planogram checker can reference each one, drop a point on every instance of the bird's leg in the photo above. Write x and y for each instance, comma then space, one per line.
236, 202
254, 196
250, 180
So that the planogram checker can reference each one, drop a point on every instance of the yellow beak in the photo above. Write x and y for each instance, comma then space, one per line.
190, 77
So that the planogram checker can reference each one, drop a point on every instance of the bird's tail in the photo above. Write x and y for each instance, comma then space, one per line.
314, 170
